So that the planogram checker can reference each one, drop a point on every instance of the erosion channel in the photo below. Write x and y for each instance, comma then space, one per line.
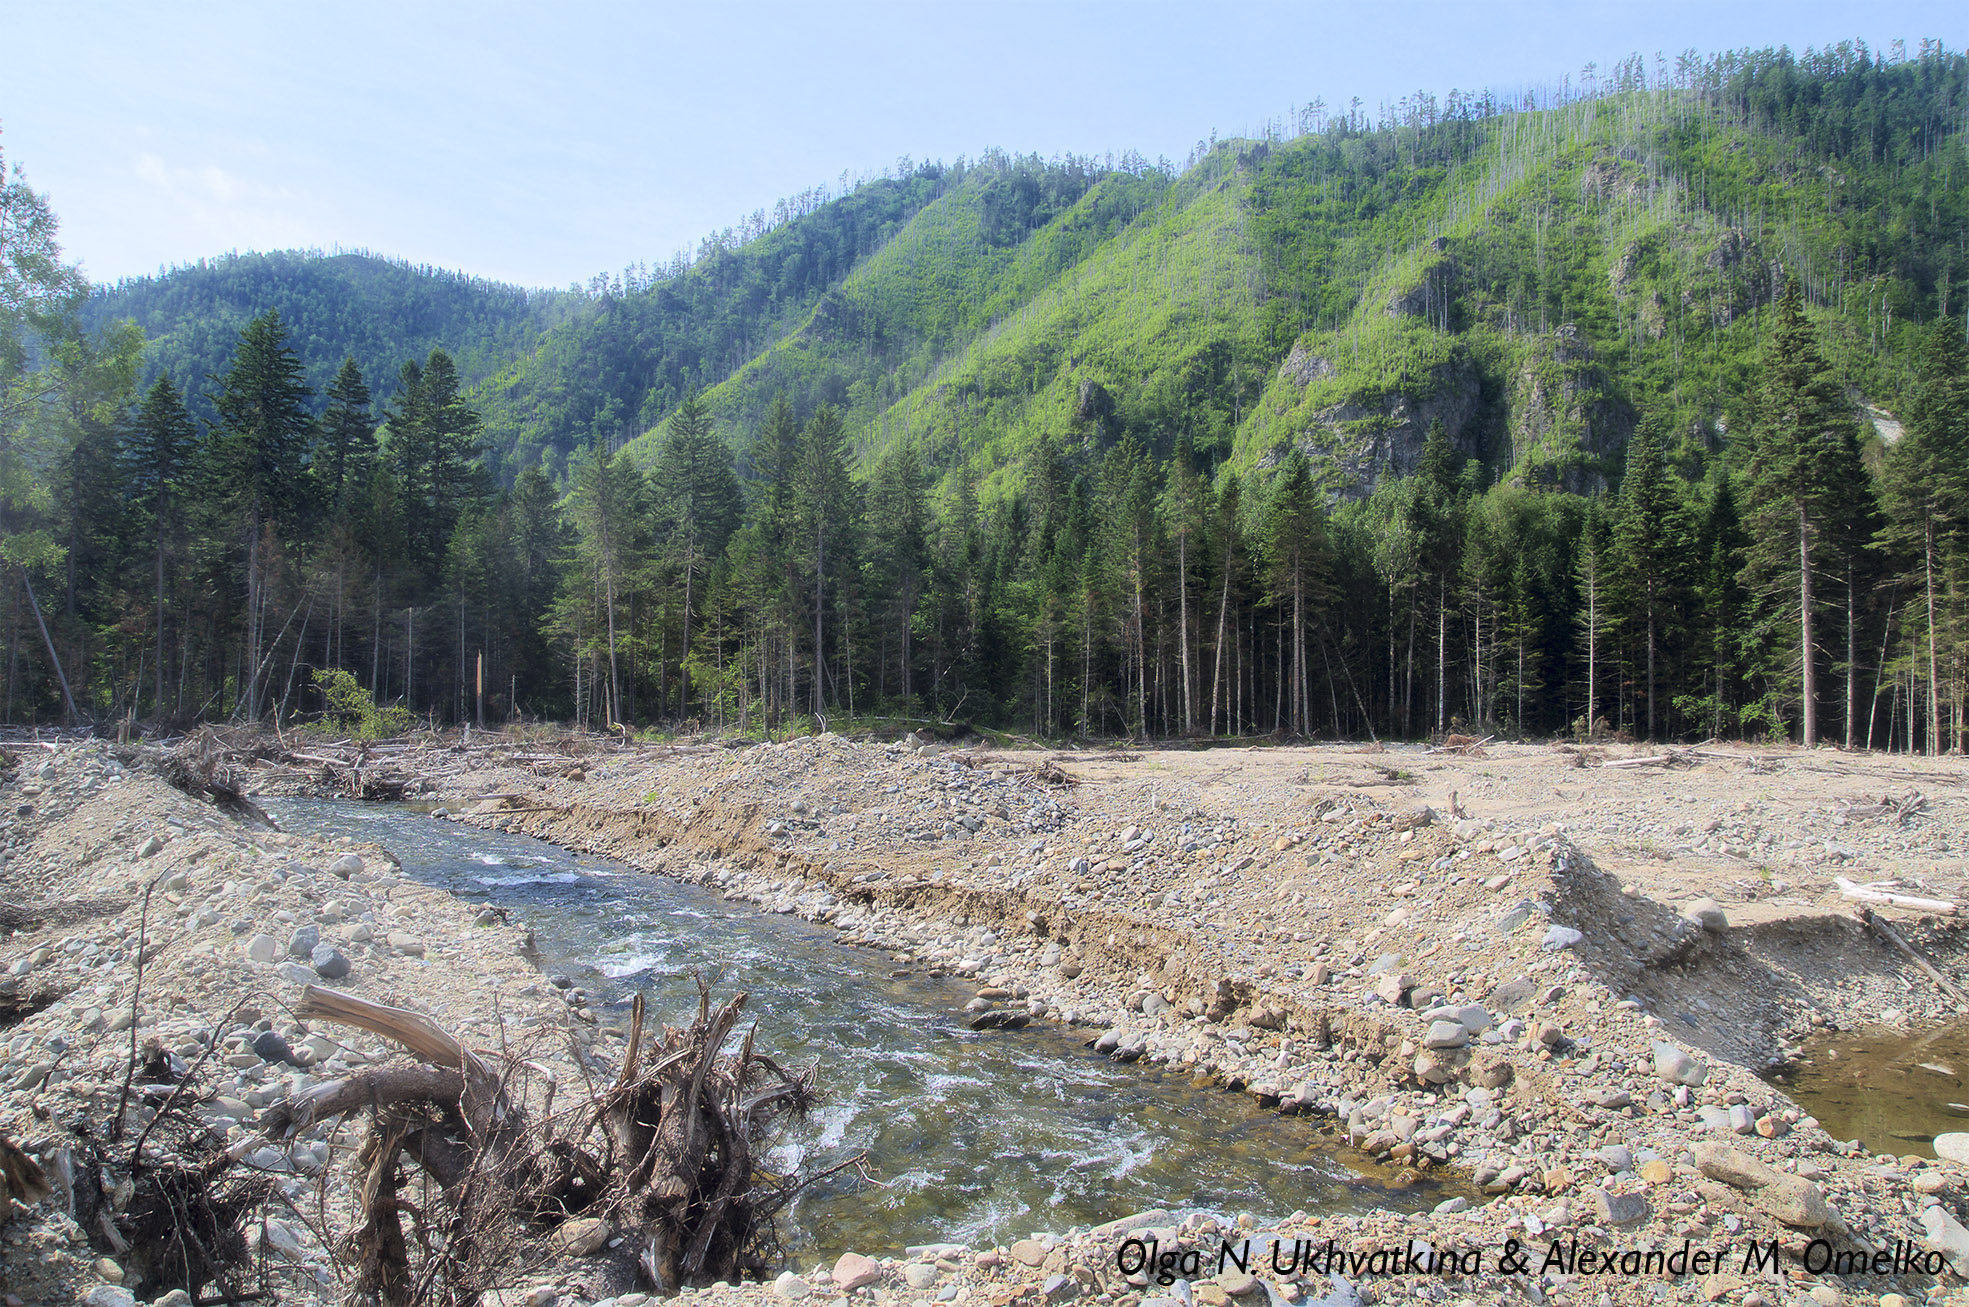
972, 1137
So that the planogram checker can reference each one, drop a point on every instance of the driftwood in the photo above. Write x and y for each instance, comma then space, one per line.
1466, 745
668, 1153
1900, 809
21, 1178
1892, 936
1874, 893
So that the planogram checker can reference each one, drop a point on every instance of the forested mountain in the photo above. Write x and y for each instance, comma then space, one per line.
1641, 406
376, 310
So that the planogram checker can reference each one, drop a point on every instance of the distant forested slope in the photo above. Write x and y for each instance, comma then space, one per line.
379, 311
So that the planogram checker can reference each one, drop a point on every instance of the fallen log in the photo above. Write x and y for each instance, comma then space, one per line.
1892, 936
1872, 893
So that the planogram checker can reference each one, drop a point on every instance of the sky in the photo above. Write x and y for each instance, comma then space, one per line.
544, 143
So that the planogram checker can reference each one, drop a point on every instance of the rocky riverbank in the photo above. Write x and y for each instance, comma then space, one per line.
1458, 966
1472, 993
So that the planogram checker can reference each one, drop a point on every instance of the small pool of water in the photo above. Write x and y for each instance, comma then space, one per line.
1892, 1092
971, 1137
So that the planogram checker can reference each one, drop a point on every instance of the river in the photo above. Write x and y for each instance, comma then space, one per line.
971, 1137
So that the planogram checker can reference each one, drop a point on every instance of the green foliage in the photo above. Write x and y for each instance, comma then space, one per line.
353, 711
374, 310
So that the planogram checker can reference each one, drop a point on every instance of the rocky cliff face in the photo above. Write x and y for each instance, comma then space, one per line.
1364, 438
1563, 421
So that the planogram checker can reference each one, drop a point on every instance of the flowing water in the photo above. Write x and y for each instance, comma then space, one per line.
972, 1137
1892, 1092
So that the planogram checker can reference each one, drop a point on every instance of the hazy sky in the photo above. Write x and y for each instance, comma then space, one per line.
544, 142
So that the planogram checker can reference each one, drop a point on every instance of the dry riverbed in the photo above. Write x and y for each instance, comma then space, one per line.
1486, 967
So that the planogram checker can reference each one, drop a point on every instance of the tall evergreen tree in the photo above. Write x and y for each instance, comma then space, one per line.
259, 461
824, 509
1925, 481
1804, 456
698, 503
348, 437
1652, 541
158, 458
1295, 572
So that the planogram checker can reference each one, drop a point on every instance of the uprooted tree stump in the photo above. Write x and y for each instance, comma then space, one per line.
464, 1152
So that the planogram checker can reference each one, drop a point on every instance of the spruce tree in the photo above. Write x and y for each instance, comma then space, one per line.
1803, 464
1925, 482
348, 437
158, 458
1296, 571
1652, 540
697, 503
823, 508
259, 460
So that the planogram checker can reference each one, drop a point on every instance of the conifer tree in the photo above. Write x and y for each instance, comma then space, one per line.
824, 511
897, 555
259, 459
1925, 482
1652, 540
1803, 457
158, 458
348, 437
698, 503
1296, 570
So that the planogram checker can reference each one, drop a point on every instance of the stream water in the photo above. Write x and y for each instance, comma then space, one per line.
1892, 1092
972, 1137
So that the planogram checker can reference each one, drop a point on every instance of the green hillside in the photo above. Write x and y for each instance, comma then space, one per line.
1531, 278
379, 311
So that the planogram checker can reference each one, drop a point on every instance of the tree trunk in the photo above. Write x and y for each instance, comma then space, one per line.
1809, 682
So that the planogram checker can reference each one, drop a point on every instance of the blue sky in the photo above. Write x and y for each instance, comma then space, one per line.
543, 143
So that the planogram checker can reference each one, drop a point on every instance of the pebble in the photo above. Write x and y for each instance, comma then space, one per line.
1617, 1157
1953, 1147
1619, 1209
329, 962
1561, 937
919, 1275
302, 942
583, 1236
791, 1287
345, 866
263, 948
271, 1046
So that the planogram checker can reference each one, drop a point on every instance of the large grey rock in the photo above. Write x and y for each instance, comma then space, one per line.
1794, 1201
1677, 1067
1446, 1034
1733, 1166
1617, 1157
272, 1047
1953, 1147
329, 962
346, 866
1946, 1236
263, 948
1561, 937
1707, 913
301, 943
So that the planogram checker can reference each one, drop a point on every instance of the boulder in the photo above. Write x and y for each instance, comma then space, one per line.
1707, 913
1677, 1067
852, 1271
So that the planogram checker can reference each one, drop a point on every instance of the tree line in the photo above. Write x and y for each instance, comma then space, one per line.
1802, 581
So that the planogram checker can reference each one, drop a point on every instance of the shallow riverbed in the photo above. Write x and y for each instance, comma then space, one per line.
1892, 1092
971, 1137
